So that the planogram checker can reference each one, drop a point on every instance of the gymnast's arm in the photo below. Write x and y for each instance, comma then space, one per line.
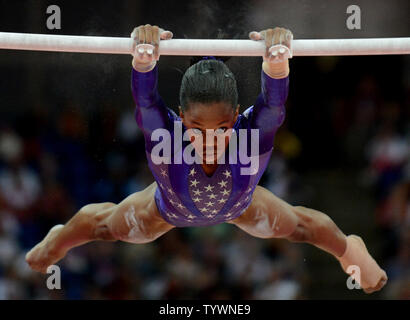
268, 112
151, 112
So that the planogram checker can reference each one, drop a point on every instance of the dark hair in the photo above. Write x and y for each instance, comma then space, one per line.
208, 81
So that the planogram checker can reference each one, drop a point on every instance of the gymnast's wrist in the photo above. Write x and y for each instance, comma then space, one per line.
143, 67
276, 70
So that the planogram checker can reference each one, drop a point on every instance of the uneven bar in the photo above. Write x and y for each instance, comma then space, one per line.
203, 47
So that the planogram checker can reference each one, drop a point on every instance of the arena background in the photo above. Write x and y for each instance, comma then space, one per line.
68, 138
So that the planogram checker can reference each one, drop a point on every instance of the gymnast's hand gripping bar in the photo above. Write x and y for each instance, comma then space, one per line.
203, 47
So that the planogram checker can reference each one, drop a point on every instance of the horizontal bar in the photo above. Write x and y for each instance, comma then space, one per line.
203, 47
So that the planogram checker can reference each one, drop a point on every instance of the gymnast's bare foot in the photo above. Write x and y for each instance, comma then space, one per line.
44, 253
373, 278
381, 273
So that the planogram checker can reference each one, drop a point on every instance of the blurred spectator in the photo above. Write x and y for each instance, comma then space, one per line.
19, 185
388, 153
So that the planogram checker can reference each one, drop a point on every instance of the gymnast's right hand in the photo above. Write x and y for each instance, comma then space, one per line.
146, 46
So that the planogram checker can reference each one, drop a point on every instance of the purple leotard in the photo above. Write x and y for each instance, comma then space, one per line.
186, 196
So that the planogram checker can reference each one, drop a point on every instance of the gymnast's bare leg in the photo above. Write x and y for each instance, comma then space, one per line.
270, 217
136, 220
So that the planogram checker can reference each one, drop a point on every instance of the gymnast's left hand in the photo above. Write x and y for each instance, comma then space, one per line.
278, 43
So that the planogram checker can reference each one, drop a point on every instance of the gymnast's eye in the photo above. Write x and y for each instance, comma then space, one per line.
221, 130
196, 131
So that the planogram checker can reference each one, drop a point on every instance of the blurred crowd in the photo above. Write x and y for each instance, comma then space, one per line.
55, 162
377, 141
388, 173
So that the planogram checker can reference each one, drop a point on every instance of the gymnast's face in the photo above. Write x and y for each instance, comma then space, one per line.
217, 119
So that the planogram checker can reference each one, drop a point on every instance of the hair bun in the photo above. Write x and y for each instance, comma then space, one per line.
197, 59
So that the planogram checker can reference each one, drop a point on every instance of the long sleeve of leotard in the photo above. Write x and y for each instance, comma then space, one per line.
150, 112
268, 112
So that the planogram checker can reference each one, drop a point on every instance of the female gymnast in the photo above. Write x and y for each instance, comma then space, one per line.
206, 193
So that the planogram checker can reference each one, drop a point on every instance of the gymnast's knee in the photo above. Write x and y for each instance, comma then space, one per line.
93, 217
135, 224
266, 226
